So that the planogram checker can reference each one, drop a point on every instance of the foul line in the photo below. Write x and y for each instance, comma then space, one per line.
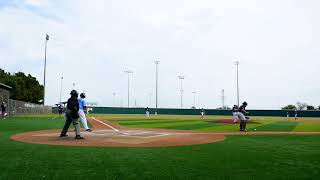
105, 124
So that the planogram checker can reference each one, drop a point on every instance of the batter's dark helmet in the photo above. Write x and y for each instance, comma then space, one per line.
74, 93
83, 95
245, 103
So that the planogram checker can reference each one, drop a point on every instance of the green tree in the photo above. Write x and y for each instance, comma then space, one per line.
301, 106
309, 107
289, 107
24, 88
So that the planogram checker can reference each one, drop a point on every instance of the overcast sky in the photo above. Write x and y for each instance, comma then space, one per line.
92, 42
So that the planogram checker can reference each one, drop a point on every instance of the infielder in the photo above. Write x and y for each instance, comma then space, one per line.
147, 112
72, 115
81, 112
235, 109
202, 113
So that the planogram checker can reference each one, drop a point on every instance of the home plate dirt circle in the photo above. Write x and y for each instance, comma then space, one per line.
123, 138
106, 133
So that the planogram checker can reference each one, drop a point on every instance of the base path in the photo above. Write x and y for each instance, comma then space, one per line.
106, 133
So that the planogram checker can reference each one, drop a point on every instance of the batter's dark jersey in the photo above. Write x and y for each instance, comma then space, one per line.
235, 109
242, 109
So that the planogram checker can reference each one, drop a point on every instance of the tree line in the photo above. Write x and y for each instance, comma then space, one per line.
300, 106
24, 87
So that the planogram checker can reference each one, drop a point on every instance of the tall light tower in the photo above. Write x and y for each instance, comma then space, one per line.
181, 90
128, 72
237, 64
114, 97
222, 98
45, 68
61, 89
150, 99
194, 99
157, 63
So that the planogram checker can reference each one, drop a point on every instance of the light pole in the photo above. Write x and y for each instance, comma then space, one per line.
194, 99
157, 63
128, 72
114, 96
150, 99
73, 85
61, 89
237, 64
45, 67
181, 90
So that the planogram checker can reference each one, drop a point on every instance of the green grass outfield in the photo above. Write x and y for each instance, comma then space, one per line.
209, 123
238, 157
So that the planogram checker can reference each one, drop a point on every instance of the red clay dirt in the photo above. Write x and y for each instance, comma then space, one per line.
106, 133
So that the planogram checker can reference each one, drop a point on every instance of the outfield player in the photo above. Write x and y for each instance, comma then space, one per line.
82, 109
241, 115
235, 110
202, 113
295, 115
147, 112
72, 115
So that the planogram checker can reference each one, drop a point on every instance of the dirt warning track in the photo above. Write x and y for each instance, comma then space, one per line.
106, 133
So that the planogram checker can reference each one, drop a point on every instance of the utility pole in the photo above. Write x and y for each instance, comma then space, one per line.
61, 89
113, 100
150, 99
181, 90
157, 63
128, 72
237, 64
45, 68
194, 99
222, 98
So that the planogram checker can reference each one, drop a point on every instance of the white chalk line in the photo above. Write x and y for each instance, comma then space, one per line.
130, 134
105, 124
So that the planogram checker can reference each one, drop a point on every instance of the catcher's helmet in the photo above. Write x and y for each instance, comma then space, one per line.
74, 93
83, 95
245, 103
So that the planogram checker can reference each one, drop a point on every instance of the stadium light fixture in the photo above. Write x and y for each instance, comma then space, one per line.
157, 63
194, 99
45, 68
128, 72
237, 64
181, 90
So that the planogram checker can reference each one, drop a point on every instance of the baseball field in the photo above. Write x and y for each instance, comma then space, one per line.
273, 148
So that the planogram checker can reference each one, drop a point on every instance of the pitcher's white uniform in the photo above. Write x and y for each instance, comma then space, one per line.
202, 113
235, 113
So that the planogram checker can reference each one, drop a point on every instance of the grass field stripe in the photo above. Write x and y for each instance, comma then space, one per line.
105, 124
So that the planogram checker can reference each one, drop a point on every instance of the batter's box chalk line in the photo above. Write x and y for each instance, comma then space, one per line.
130, 133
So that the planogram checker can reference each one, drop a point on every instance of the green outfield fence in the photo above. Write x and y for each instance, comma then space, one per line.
168, 111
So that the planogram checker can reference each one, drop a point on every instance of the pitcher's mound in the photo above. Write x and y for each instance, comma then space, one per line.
120, 138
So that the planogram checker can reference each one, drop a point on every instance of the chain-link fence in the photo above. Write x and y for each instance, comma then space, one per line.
15, 107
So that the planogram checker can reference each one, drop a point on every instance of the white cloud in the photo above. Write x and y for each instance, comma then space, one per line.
37, 3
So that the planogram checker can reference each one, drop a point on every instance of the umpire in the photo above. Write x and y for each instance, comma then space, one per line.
72, 115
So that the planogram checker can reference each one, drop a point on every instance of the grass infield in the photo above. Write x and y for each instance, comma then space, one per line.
238, 157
